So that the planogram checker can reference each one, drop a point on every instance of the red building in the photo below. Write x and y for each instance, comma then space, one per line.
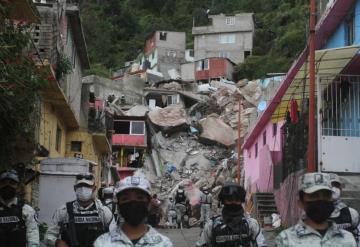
213, 68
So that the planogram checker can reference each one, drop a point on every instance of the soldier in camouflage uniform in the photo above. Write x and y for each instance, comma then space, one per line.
18, 224
344, 216
79, 222
234, 227
133, 195
315, 228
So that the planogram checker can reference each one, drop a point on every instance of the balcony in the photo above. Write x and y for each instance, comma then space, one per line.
129, 140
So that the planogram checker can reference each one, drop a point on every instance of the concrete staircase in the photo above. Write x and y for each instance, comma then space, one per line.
264, 206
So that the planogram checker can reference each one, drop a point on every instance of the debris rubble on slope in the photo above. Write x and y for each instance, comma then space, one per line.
195, 146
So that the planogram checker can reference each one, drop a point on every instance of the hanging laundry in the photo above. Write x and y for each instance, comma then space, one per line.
294, 111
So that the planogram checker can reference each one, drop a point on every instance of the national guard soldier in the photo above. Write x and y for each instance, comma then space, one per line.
18, 225
205, 208
108, 200
315, 228
344, 216
234, 227
171, 212
133, 196
79, 222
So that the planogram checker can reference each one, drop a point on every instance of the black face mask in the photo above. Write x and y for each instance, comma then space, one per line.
233, 215
134, 212
7, 192
319, 211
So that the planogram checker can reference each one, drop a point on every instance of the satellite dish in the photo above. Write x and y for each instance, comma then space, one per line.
261, 106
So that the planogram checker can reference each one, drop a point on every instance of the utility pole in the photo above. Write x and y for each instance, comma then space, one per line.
311, 134
239, 143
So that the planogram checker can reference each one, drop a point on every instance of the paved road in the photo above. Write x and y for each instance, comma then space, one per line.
188, 237
182, 238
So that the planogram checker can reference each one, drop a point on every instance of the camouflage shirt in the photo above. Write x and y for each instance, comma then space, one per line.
254, 228
117, 237
302, 235
29, 216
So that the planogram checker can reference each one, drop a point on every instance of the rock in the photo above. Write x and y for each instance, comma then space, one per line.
214, 130
170, 118
242, 82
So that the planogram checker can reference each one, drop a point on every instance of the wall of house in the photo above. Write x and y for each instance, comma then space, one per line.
217, 68
174, 40
88, 149
258, 168
50, 121
208, 45
338, 39
188, 71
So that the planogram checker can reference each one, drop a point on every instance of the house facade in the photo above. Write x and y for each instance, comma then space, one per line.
214, 68
228, 37
64, 117
163, 51
337, 93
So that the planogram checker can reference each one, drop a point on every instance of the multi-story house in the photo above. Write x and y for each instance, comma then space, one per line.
275, 149
228, 36
164, 51
64, 132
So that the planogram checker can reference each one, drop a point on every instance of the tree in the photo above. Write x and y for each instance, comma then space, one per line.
20, 81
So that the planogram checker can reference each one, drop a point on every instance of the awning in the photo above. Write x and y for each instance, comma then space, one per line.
328, 62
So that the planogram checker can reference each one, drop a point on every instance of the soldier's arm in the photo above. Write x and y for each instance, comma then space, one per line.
256, 233
282, 240
355, 220
205, 237
53, 231
32, 228
106, 216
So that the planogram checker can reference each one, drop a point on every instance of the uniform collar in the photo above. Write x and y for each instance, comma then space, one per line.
78, 206
151, 237
9, 203
303, 229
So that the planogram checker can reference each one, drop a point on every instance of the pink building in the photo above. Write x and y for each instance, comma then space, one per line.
260, 157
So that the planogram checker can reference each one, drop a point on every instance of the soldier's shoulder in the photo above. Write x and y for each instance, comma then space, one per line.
103, 239
288, 233
157, 238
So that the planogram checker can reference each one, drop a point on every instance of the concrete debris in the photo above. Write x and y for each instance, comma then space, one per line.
174, 74
137, 111
252, 92
168, 118
172, 86
206, 88
214, 130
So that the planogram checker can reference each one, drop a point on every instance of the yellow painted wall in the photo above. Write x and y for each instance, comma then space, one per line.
88, 150
47, 134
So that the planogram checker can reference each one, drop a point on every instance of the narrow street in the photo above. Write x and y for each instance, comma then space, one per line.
182, 238
188, 237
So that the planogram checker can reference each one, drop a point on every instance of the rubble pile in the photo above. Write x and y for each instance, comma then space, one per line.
195, 147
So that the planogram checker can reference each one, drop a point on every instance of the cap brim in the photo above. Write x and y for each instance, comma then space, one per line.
10, 178
85, 182
133, 188
316, 188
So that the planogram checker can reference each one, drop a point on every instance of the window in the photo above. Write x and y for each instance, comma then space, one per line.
163, 35
206, 64
172, 99
171, 53
246, 54
264, 138
224, 54
350, 29
122, 127
230, 20
227, 38
137, 128
58, 139
191, 53
76, 146
202, 65
256, 150
274, 131
153, 55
